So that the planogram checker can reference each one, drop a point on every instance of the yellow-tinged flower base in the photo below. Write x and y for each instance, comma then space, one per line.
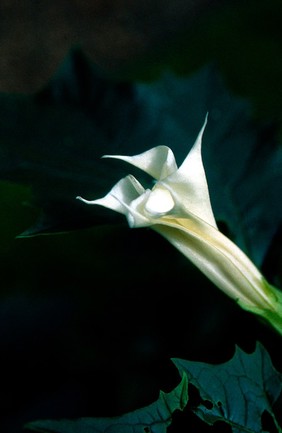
226, 266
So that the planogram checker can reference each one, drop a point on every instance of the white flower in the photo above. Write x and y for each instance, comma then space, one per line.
179, 208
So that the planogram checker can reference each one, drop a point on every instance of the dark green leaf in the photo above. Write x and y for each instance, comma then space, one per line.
54, 141
154, 418
237, 392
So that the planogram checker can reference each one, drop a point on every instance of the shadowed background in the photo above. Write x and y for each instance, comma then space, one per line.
89, 320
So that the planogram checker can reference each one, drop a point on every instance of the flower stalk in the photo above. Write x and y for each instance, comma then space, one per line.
178, 207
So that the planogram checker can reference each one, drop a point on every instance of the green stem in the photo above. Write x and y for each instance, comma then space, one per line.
272, 316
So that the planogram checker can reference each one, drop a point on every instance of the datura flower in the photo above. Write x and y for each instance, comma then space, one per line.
179, 208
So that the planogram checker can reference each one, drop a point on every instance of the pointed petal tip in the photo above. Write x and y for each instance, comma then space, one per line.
84, 200
204, 126
78, 197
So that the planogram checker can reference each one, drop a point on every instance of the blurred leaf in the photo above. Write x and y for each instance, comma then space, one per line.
237, 392
154, 418
54, 141
15, 213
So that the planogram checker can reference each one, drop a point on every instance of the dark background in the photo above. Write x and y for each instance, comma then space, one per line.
90, 319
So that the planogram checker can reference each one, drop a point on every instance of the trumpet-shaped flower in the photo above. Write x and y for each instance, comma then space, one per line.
179, 208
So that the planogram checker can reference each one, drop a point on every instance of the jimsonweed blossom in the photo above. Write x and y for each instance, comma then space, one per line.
178, 207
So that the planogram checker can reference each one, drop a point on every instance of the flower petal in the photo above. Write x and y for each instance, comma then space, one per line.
122, 193
219, 259
188, 184
158, 162
159, 202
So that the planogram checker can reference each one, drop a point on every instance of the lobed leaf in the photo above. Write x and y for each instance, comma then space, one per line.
154, 418
237, 392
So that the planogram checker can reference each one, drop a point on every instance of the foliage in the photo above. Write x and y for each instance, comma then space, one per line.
81, 115
90, 317
237, 392
152, 419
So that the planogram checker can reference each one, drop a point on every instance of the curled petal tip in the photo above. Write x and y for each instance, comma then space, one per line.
84, 200
78, 197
